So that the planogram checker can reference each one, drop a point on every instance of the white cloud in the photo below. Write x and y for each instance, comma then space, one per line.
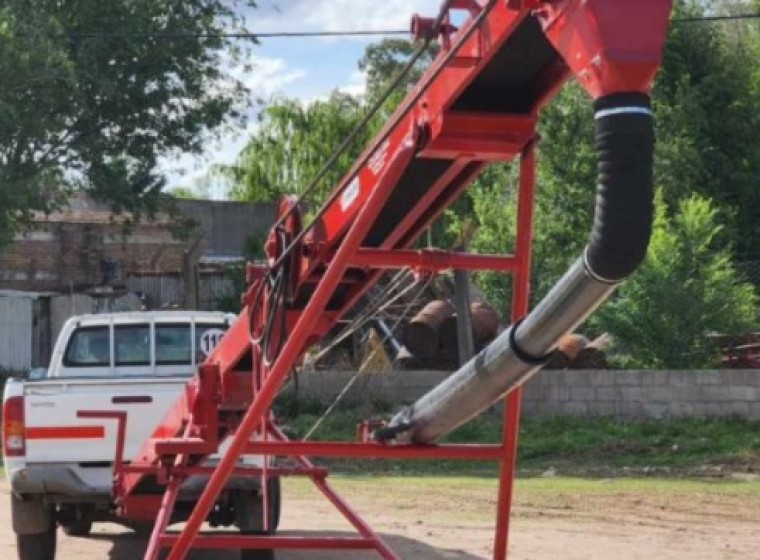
357, 85
264, 77
337, 15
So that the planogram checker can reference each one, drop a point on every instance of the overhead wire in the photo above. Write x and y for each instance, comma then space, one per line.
236, 35
170, 35
378, 306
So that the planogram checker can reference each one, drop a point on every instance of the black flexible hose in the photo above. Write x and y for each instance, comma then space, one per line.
624, 202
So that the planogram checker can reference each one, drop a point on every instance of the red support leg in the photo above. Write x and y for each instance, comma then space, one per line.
167, 505
163, 518
520, 304
352, 517
292, 349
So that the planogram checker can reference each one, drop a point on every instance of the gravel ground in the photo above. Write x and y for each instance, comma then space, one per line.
452, 519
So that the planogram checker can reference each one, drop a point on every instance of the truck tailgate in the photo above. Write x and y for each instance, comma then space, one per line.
54, 433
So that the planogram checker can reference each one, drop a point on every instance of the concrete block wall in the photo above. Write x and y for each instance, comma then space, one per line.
645, 394
617, 394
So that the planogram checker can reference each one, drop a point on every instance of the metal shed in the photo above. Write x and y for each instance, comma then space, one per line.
16, 330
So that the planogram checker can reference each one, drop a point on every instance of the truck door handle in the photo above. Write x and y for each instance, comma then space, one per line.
132, 399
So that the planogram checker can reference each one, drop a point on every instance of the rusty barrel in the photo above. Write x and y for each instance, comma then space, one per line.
485, 327
485, 323
421, 335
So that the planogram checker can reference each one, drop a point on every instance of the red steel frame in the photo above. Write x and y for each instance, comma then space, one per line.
610, 45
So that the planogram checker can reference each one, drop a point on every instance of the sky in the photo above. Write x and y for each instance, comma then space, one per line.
304, 68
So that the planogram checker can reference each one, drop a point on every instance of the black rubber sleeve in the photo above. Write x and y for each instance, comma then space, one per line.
624, 201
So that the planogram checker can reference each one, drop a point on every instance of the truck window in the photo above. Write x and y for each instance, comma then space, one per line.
88, 347
173, 345
132, 345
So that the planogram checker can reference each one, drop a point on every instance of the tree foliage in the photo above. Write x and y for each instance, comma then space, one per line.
91, 95
292, 143
687, 289
706, 104
383, 62
707, 169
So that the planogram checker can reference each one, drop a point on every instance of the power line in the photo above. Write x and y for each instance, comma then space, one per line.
708, 19
242, 35
328, 34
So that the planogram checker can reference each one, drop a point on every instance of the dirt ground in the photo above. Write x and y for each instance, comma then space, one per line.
429, 519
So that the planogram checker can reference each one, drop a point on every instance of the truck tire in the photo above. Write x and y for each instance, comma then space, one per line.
77, 528
37, 547
253, 508
31, 516
34, 525
274, 488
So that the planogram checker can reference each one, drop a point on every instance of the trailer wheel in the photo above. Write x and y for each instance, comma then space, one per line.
274, 489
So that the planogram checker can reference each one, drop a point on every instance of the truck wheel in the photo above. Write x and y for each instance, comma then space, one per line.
275, 502
78, 528
252, 508
34, 525
37, 547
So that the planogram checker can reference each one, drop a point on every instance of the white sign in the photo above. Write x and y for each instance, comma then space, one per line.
350, 195
209, 340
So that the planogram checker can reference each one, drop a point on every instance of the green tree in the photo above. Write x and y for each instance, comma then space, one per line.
383, 61
294, 138
291, 144
92, 93
708, 114
687, 289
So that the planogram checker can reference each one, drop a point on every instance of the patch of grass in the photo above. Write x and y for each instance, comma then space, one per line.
570, 445
674, 444
537, 491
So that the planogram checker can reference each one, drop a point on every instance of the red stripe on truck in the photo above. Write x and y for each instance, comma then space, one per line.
66, 432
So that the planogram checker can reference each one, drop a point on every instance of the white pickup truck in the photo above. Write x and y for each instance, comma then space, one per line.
60, 467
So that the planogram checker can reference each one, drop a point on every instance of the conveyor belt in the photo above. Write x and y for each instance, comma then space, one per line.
507, 85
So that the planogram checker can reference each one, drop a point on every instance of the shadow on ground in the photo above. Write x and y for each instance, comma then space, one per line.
130, 546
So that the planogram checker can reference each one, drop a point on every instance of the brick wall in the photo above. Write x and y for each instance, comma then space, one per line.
618, 394
59, 256
83, 245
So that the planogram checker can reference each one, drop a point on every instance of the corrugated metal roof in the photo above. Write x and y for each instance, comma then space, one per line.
28, 295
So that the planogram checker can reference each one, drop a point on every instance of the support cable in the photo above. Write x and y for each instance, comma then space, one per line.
368, 313
360, 370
